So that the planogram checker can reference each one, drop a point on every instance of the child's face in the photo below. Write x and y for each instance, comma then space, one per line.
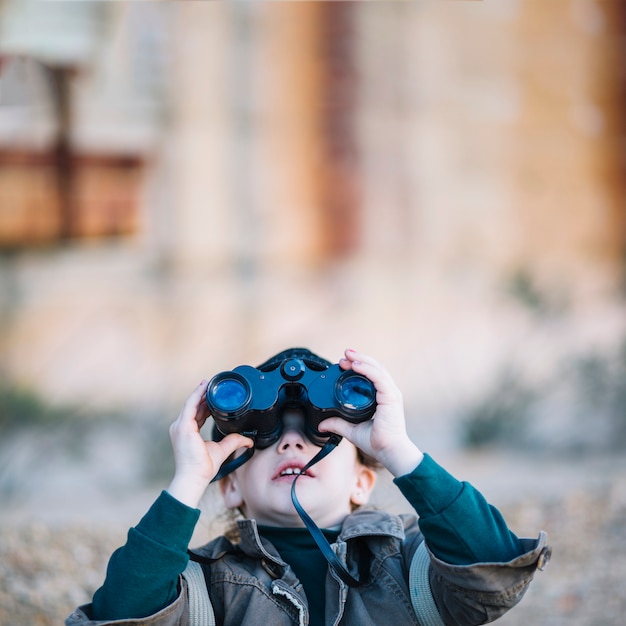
261, 487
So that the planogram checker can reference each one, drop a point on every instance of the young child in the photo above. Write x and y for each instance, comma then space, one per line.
461, 565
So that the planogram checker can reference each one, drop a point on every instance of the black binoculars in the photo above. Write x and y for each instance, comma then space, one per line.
251, 401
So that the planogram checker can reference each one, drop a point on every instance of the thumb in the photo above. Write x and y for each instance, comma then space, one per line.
231, 443
336, 425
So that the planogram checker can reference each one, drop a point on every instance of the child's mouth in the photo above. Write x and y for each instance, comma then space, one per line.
290, 472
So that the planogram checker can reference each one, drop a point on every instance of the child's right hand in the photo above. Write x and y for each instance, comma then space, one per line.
197, 461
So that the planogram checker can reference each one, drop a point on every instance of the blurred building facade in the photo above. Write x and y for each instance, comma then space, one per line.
188, 186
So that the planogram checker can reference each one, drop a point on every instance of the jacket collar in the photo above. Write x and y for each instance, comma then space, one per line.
368, 523
361, 523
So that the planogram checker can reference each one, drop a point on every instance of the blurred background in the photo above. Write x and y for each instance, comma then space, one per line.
189, 186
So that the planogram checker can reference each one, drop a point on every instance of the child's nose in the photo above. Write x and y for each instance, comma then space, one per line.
293, 431
291, 438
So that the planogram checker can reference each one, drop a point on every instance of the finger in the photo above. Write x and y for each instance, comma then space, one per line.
357, 434
344, 363
336, 425
193, 403
198, 393
372, 369
358, 360
349, 357
202, 413
233, 442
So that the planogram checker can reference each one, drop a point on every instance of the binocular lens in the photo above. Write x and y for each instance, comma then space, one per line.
355, 393
229, 396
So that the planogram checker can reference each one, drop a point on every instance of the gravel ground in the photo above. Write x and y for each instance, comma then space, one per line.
49, 566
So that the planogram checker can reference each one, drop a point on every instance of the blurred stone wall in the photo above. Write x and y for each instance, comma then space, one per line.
481, 139
494, 133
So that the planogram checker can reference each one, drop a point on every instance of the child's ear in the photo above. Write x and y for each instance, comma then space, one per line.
364, 485
230, 492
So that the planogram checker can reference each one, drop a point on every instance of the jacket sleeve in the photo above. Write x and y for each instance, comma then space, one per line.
143, 577
482, 592
175, 614
459, 525
469, 568
192, 607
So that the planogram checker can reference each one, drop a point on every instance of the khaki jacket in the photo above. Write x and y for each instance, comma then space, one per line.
249, 584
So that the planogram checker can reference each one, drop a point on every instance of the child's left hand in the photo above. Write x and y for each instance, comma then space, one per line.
384, 436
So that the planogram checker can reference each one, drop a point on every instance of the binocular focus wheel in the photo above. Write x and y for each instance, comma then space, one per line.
292, 370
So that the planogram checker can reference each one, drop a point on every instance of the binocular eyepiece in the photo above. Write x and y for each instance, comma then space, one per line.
251, 401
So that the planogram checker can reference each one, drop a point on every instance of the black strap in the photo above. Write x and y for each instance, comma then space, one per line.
321, 541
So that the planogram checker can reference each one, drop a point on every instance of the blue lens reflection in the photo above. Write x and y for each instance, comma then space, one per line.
356, 393
229, 395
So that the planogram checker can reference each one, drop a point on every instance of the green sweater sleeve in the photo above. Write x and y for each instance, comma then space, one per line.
458, 524
142, 576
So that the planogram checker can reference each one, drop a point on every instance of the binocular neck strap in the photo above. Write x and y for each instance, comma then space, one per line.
321, 541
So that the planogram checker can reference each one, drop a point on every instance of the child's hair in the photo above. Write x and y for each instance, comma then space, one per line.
312, 360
